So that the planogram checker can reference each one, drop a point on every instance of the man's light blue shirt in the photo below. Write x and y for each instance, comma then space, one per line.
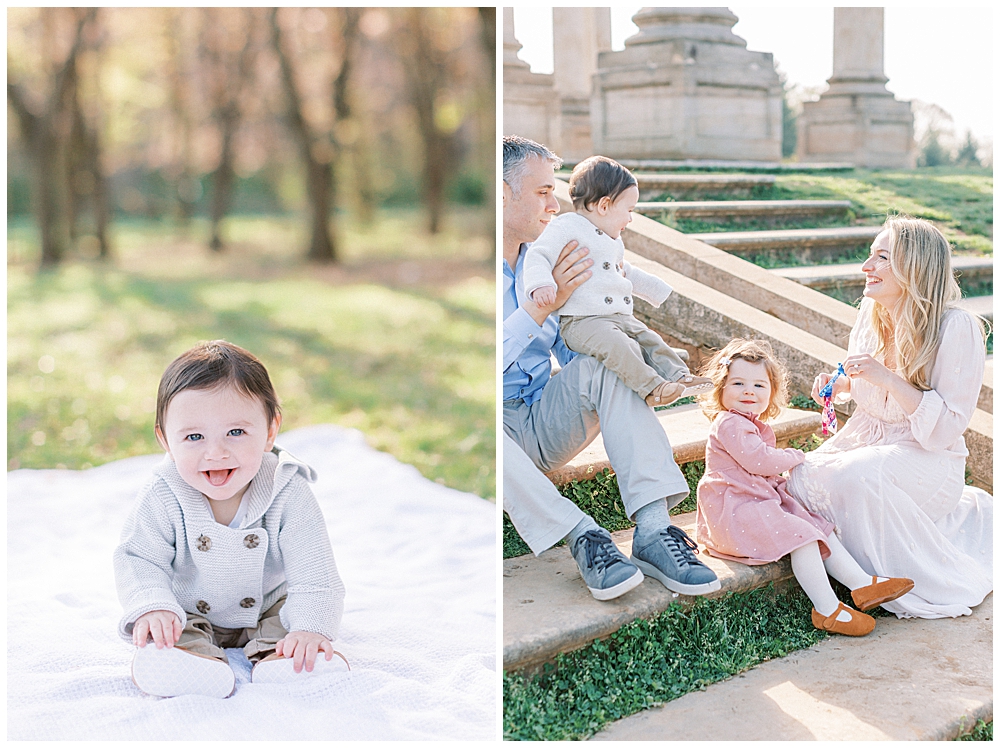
527, 347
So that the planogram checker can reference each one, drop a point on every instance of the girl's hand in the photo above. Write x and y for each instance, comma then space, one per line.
841, 386
863, 366
164, 626
303, 646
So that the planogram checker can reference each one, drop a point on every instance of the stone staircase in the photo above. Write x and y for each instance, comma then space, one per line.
547, 610
846, 282
745, 211
908, 680
900, 682
789, 246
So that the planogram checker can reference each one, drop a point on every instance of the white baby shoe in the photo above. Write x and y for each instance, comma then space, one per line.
175, 672
277, 669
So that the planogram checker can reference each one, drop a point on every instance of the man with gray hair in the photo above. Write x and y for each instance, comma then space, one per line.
548, 420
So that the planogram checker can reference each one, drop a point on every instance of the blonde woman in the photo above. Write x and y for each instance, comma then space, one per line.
893, 479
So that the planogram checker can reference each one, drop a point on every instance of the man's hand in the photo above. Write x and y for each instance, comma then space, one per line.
164, 626
303, 646
571, 270
544, 296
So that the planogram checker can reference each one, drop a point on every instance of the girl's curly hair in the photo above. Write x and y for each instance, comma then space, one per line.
755, 352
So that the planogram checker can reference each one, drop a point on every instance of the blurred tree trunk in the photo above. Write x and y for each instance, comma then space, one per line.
181, 173
85, 171
488, 20
318, 149
427, 74
229, 75
44, 127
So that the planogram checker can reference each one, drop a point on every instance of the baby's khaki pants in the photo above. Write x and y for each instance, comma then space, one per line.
201, 637
627, 347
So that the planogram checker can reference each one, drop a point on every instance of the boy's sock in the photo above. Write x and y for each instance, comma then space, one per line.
651, 519
587, 523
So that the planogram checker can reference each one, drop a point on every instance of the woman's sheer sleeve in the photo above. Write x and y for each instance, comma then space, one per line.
956, 378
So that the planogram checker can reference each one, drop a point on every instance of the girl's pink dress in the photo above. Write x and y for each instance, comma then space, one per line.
744, 512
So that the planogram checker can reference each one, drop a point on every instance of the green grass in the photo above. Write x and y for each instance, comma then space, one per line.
400, 344
958, 200
650, 662
982, 731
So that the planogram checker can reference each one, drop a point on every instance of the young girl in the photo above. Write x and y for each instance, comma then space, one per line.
226, 546
744, 512
597, 319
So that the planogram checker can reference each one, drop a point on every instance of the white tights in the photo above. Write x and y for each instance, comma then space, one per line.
811, 572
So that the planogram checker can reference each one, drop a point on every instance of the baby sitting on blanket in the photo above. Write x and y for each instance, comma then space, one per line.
597, 319
226, 546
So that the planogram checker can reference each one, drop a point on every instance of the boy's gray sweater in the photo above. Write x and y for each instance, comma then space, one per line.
607, 291
174, 555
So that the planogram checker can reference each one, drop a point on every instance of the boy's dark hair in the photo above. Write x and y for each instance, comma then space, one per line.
209, 365
595, 177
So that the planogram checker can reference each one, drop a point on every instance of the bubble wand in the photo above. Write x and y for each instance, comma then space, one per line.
829, 415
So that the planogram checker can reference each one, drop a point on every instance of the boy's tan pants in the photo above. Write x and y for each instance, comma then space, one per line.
625, 346
201, 637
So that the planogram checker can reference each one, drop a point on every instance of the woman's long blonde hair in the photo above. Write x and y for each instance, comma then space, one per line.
754, 352
920, 258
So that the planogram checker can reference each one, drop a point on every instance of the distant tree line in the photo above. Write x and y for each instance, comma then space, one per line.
173, 112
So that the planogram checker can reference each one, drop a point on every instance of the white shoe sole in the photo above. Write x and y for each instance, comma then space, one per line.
174, 672
673, 584
619, 589
697, 389
283, 670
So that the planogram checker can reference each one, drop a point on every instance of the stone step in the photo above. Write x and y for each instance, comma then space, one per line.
718, 165
846, 281
981, 305
679, 186
910, 679
548, 610
736, 211
795, 245
687, 428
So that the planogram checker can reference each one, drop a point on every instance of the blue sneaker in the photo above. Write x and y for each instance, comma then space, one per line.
605, 569
668, 557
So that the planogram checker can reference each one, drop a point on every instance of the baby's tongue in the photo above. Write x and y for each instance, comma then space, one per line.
217, 477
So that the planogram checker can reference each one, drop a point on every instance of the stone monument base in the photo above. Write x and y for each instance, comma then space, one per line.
871, 131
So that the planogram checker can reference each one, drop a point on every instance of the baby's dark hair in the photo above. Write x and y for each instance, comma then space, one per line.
213, 364
597, 177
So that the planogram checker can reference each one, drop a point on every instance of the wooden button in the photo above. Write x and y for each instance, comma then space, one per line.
203, 607
251, 541
247, 602
204, 543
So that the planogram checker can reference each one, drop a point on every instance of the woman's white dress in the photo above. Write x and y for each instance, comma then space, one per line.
894, 485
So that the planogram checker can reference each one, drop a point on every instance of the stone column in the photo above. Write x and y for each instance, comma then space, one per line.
530, 108
579, 35
857, 119
686, 87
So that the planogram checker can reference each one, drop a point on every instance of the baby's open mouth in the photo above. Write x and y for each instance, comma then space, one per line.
218, 477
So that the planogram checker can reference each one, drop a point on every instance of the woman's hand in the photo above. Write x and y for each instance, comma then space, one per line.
841, 386
864, 366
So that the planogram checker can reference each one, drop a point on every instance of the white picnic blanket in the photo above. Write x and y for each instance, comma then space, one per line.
419, 628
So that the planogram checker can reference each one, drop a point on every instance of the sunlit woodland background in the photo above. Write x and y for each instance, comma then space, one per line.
316, 185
